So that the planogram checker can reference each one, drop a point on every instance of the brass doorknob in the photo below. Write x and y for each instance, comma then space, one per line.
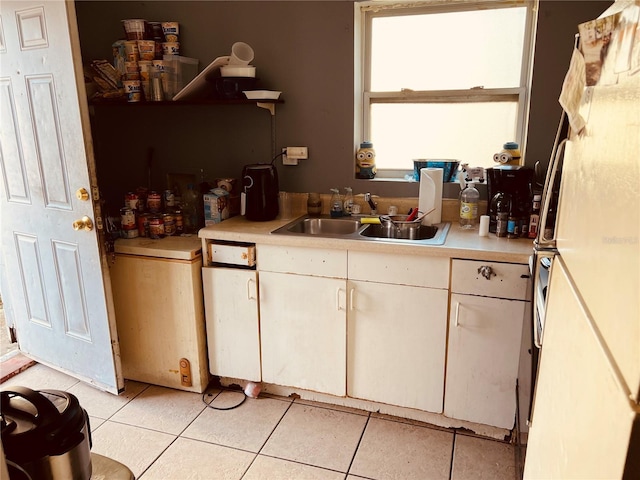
84, 223
82, 194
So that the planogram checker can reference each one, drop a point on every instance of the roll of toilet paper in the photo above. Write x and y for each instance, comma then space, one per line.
430, 196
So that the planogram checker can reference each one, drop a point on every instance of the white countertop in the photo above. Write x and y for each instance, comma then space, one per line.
459, 243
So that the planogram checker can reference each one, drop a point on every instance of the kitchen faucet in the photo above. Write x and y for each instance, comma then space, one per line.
372, 204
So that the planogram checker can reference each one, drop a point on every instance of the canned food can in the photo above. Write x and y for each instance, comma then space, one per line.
156, 226
131, 200
177, 216
169, 224
169, 199
130, 233
127, 219
143, 225
154, 202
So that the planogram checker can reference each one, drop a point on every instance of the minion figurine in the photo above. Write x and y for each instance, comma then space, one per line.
366, 161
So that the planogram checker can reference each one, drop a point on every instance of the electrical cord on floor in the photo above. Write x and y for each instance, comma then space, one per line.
244, 397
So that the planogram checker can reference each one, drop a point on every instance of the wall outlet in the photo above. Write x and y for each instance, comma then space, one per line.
286, 160
299, 153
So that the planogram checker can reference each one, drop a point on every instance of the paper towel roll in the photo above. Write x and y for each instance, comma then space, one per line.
431, 194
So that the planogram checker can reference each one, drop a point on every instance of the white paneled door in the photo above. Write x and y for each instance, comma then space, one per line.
55, 283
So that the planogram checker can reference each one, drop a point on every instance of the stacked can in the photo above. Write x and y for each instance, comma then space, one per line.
151, 214
128, 223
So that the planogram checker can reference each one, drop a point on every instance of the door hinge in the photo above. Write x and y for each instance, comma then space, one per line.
13, 335
95, 193
99, 225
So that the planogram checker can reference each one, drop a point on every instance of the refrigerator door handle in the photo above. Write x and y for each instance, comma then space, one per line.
542, 241
539, 304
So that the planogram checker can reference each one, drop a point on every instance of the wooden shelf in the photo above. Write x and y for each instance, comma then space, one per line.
109, 102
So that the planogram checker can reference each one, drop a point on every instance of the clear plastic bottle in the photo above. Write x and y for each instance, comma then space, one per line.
336, 203
469, 198
348, 201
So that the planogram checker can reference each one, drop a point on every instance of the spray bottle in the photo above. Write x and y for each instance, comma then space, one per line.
336, 203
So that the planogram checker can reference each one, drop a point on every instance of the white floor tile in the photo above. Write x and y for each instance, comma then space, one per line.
95, 422
393, 450
41, 377
268, 468
162, 409
246, 427
103, 404
189, 459
316, 436
479, 459
135, 447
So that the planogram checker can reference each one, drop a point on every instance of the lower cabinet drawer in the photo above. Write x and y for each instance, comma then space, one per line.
490, 279
316, 262
419, 271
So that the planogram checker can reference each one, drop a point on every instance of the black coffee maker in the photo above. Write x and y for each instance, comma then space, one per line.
260, 185
509, 187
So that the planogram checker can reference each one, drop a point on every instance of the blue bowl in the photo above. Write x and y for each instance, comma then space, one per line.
449, 168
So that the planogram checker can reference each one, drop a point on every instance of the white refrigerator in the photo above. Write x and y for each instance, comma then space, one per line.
585, 418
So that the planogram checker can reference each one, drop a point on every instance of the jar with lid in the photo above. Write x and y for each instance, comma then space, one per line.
314, 205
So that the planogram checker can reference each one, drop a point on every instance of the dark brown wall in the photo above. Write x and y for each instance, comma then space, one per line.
303, 48
557, 26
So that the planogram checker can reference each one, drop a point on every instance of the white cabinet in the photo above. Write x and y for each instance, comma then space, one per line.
396, 344
231, 312
303, 317
397, 329
484, 341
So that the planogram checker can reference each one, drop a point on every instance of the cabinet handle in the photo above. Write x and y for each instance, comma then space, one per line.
351, 307
338, 299
249, 295
456, 322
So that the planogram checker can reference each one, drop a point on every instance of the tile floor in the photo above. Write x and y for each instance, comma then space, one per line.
161, 433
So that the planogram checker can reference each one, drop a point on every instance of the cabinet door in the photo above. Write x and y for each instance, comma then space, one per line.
396, 344
158, 304
482, 361
303, 331
231, 311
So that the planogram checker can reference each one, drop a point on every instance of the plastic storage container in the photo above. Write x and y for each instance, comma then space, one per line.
179, 72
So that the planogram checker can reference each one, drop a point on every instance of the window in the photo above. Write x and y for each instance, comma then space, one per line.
445, 80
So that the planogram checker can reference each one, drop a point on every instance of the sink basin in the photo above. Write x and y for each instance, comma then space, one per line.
424, 232
350, 228
324, 226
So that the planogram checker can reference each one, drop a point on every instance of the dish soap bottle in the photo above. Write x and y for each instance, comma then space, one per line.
348, 201
469, 197
336, 203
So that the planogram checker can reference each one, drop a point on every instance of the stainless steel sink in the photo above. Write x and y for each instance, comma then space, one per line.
351, 228
325, 226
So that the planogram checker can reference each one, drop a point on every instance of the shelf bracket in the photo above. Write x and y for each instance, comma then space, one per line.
268, 106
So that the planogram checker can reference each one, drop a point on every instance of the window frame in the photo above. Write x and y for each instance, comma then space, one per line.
369, 10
